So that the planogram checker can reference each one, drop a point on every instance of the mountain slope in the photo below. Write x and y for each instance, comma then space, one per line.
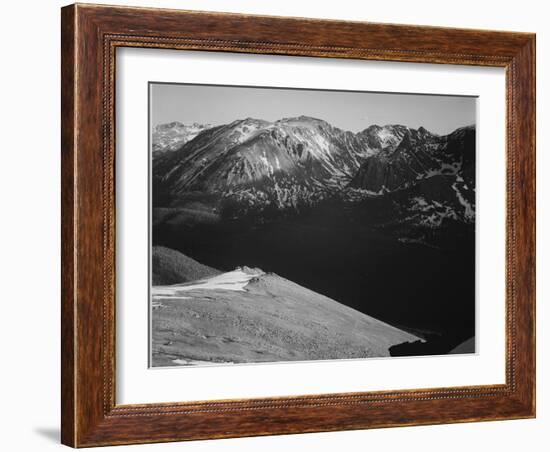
260, 318
419, 155
253, 165
424, 184
383, 137
468, 346
171, 136
256, 163
170, 267
426, 181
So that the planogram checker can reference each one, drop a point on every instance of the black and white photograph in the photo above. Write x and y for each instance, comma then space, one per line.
302, 224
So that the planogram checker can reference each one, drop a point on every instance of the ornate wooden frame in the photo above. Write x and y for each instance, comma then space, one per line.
90, 35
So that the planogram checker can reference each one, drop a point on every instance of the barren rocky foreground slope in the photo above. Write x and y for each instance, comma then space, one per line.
250, 316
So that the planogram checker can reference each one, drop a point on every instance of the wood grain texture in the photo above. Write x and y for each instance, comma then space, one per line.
68, 310
90, 36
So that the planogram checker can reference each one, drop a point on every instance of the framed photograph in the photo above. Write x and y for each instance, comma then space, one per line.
281, 225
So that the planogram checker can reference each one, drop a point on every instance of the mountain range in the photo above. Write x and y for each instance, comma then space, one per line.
253, 167
381, 221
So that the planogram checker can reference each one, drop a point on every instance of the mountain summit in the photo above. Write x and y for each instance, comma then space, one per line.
284, 163
255, 165
171, 136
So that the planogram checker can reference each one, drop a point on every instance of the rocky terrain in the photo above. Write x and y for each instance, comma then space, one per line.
263, 169
382, 221
171, 267
246, 315
171, 136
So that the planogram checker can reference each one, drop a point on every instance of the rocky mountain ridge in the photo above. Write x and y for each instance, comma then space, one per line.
252, 166
171, 136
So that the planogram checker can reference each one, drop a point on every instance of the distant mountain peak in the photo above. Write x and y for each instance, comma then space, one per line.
252, 164
418, 155
377, 127
463, 130
302, 118
169, 125
249, 121
170, 136
304, 121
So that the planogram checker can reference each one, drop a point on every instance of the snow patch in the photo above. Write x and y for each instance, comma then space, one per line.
386, 136
469, 212
235, 280
420, 201
266, 163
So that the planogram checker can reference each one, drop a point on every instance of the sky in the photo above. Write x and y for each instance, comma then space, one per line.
348, 110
